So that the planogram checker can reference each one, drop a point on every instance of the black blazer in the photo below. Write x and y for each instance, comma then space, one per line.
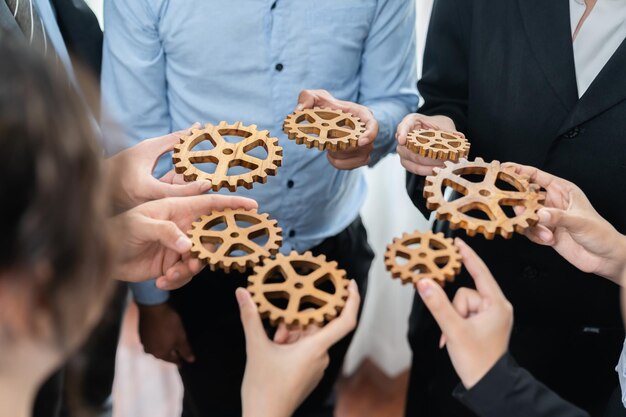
508, 390
503, 70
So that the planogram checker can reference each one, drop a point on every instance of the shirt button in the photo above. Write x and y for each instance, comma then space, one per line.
279, 67
290, 184
292, 233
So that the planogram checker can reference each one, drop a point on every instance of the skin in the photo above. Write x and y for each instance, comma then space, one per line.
411, 161
351, 158
131, 176
153, 240
279, 376
163, 335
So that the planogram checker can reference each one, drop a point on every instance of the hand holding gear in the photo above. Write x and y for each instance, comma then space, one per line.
437, 144
233, 234
226, 155
423, 255
299, 290
324, 128
494, 199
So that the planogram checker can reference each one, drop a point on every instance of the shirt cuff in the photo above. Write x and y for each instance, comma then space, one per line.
492, 390
388, 115
146, 293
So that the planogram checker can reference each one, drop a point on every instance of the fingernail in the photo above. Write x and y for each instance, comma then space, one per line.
353, 285
544, 216
424, 289
545, 235
183, 243
206, 186
241, 296
299, 107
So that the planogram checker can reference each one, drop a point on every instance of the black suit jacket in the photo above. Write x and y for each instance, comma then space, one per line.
508, 390
503, 70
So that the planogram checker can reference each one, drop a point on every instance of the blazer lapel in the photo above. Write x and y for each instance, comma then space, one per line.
607, 90
547, 25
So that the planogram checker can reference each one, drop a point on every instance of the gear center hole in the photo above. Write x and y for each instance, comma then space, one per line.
422, 255
234, 234
485, 193
227, 151
325, 124
299, 285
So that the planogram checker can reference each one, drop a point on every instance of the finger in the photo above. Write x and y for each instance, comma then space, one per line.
371, 131
163, 189
179, 274
442, 341
345, 323
540, 235
406, 153
467, 302
404, 128
206, 203
167, 234
155, 147
574, 224
535, 175
172, 357
306, 100
485, 282
351, 163
440, 307
250, 318
282, 334
185, 352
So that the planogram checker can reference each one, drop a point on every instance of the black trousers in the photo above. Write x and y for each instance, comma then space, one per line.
210, 314
578, 364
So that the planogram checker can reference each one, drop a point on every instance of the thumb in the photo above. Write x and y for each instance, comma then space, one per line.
250, 319
306, 100
552, 218
440, 307
167, 234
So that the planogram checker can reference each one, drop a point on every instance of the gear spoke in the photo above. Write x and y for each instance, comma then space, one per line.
317, 133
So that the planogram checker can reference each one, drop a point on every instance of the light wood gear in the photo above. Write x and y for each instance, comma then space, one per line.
481, 206
324, 128
226, 155
424, 255
303, 283
231, 236
438, 144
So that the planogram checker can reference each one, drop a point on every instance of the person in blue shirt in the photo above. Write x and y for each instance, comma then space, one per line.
168, 64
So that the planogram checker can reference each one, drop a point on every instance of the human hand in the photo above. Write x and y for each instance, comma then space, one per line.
131, 179
153, 242
279, 377
350, 158
476, 326
162, 334
412, 162
571, 225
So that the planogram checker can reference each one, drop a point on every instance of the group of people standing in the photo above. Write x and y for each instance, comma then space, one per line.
533, 82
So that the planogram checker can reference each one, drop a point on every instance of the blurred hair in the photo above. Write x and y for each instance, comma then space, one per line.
54, 204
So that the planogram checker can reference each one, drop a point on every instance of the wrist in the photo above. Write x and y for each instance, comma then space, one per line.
479, 370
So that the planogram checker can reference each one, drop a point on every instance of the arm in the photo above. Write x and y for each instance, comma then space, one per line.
508, 390
388, 71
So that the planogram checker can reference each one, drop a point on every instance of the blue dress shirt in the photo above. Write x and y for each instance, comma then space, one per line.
170, 63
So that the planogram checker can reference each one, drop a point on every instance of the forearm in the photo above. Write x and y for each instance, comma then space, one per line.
388, 114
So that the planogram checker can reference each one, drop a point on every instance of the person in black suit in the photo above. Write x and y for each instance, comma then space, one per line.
477, 325
507, 74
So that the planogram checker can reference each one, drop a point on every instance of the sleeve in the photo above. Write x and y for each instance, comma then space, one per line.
134, 91
134, 85
147, 294
444, 82
508, 390
388, 71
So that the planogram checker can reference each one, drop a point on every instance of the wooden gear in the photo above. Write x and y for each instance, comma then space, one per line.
436, 257
234, 239
437, 144
324, 129
226, 155
490, 196
296, 279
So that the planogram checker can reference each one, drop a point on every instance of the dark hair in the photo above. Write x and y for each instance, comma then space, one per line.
53, 211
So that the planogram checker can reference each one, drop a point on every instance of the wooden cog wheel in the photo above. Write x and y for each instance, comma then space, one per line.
235, 239
493, 200
226, 155
423, 255
324, 128
299, 290
437, 144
